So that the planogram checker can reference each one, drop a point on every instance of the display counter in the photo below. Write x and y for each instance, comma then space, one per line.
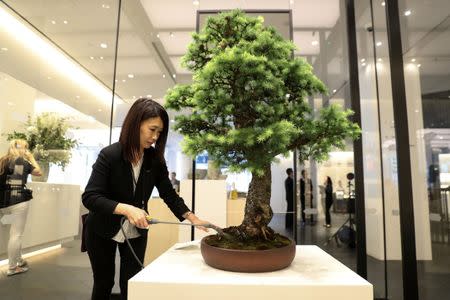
181, 273
53, 217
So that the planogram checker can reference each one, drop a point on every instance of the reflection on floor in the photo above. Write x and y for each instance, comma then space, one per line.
65, 274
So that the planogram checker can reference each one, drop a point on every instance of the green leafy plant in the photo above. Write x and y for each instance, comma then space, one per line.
249, 104
46, 137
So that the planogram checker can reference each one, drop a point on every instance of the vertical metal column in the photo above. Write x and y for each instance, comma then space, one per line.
193, 197
405, 193
360, 217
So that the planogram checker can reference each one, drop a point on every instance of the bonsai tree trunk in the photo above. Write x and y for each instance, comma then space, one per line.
258, 212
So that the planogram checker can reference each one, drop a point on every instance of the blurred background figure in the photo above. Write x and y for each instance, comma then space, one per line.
15, 167
328, 200
289, 187
175, 182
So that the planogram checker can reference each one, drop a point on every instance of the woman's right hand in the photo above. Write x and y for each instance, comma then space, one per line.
135, 215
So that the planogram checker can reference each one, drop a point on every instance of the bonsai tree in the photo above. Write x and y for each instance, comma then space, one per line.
248, 104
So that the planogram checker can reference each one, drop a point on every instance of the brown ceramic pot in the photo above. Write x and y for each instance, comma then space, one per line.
248, 261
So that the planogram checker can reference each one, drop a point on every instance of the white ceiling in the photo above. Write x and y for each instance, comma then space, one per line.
154, 35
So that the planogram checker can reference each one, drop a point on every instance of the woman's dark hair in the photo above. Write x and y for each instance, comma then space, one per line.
141, 110
329, 182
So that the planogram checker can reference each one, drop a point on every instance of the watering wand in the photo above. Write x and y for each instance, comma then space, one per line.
207, 225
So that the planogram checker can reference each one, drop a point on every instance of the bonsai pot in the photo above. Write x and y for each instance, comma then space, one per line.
248, 261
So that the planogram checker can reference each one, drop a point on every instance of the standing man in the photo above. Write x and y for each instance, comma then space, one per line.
289, 187
175, 182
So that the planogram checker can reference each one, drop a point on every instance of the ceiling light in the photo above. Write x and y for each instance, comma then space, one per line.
171, 34
419, 65
65, 22
291, 1
379, 44
105, 5
48, 77
53, 22
407, 12
4, 49
314, 43
130, 75
124, 80
58, 62
196, 2
363, 60
149, 96
413, 60
334, 91
379, 59
91, 57
383, 3
101, 57
416, 110
363, 64
104, 45
174, 75
10, 103
164, 75
78, 97
157, 35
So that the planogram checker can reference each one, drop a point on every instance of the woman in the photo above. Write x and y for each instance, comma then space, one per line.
328, 201
15, 167
121, 183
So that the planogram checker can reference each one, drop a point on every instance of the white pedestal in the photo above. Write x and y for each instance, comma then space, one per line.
181, 273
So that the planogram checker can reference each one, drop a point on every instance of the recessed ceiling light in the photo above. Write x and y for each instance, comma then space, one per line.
363, 60
174, 75
157, 35
407, 12
314, 43
130, 75
379, 59
103, 45
53, 22
413, 60
363, 64
91, 57
383, 3
100, 110
196, 2
65, 22
171, 34
116, 80
334, 91
379, 44
4, 49
164, 75
10, 103
291, 1
419, 65
101, 57
124, 80
78, 97
105, 5
149, 95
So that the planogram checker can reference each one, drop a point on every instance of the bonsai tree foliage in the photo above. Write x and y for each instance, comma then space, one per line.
249, 104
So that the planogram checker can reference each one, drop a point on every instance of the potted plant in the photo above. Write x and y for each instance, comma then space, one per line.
46, 137
249, 104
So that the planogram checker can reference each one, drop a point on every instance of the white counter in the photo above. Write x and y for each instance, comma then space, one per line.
54, 216
181, 273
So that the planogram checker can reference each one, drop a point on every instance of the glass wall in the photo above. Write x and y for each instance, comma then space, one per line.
426, 48
56, 76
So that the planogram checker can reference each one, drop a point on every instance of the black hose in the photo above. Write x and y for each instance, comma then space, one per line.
122, 220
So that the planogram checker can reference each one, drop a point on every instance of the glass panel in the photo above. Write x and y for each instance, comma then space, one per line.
46, 88
426, 47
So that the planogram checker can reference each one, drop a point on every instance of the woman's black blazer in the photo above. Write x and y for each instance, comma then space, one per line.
111, 182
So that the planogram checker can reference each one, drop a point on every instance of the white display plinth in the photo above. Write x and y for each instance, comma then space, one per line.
181, 273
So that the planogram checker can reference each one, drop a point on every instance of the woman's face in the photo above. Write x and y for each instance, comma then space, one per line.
150, 131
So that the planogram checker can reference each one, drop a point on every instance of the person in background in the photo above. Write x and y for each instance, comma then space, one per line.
175, 182
305, 190
120, 185
328, 200
289, 187
15, 198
